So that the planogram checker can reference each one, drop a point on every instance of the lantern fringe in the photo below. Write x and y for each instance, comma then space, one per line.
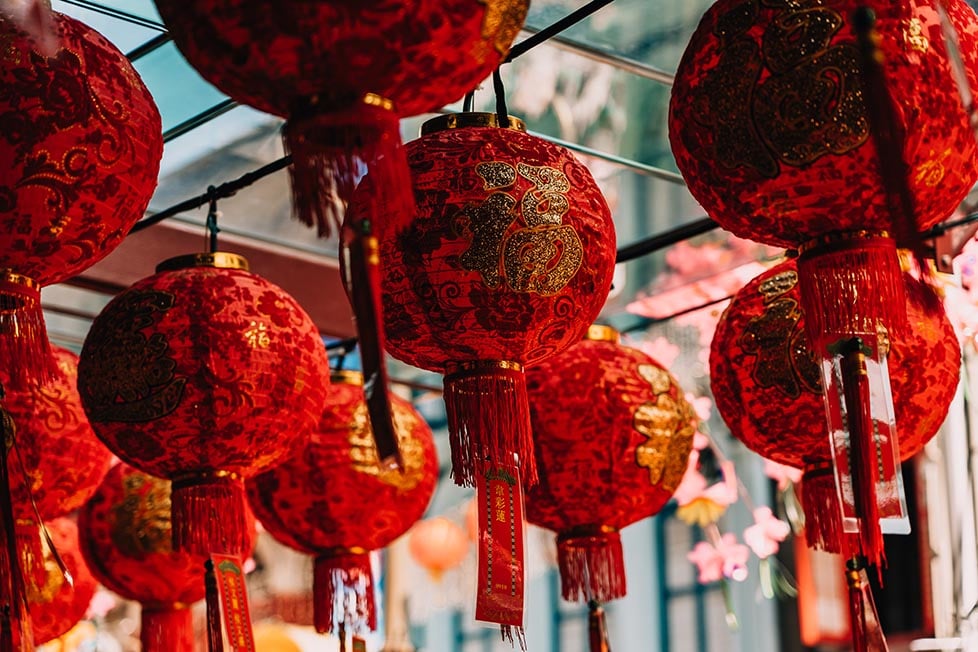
24, 346
823, 512
343, 593
488, 421
16, 632
592, 566
209, 515
331, 150
30, 550
851, 283
168, 628
867, 633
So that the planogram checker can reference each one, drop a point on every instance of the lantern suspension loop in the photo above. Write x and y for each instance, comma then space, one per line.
212, 215
497, 86
469, 102
546, 33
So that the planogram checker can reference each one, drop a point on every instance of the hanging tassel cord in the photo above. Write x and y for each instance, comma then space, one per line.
862, 447
212, 216
215, 638
867, 633
597, 628
13, 602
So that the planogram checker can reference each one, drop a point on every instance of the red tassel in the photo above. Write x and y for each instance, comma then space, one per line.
592, 565
867, 633
823, 513
209, 515
30, 548
363, 280
343, 593
16, 634
488, 420
167, 628
212, 596
513, 635
862, 446
851, 283
331, 150
24, 345
597, 628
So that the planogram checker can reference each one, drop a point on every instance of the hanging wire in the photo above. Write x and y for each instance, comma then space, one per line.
212, 214
469, 102
497, 86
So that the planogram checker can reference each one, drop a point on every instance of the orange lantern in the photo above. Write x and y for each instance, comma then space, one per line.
438, 545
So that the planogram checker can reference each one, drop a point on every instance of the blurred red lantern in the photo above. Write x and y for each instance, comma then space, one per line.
80, 148
438, 545
127, 542
506, 262
190, 375
63, 460
613, 433
56, 604
768, 388
343, 72
334, 500
778, 123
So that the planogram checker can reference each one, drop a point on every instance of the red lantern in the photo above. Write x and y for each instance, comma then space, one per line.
343, 72
613, 433
127, 542
438, 545
63, 460
778, 121
55, 604
80, 148
509, 258
768, 388
191, 374
334, 500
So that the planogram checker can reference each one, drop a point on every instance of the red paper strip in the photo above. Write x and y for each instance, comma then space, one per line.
500, 590
234, 603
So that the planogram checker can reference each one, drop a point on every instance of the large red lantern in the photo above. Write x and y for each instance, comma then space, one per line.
613, 433
778, 122
343, 72
507, 261
768, 387
56, 604
126, 540
334, 500
192, 375
80, 148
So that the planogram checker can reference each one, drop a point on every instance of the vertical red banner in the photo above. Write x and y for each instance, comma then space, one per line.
234, 603
500, 590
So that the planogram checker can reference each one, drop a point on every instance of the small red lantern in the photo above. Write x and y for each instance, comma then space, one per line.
778, 121
191, 374
56, 605
613, 434
334, 500
438, 545
80, 148
126, 540
768, 387
506, 262
343, 72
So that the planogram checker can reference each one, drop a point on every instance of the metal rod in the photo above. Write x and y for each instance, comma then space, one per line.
550, 31
117, 13
198, 120
151, 45
665, 239
635, 166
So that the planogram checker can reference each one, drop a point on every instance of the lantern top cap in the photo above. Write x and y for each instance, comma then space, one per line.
470, 119
218, 259
346, 377
10, 277
602, 333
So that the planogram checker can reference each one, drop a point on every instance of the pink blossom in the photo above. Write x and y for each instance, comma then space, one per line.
661, 350
782, 473
728, 559
693, 483
725, 492
700, 441
102, 603
702, 405
766, 534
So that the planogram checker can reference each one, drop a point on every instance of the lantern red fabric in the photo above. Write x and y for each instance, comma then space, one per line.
80, 148
191, 374
343, 72
335, 501
438, 545
613, 434
507, 261
771, 159
55, 605
768, 388
126, 540
63, 459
